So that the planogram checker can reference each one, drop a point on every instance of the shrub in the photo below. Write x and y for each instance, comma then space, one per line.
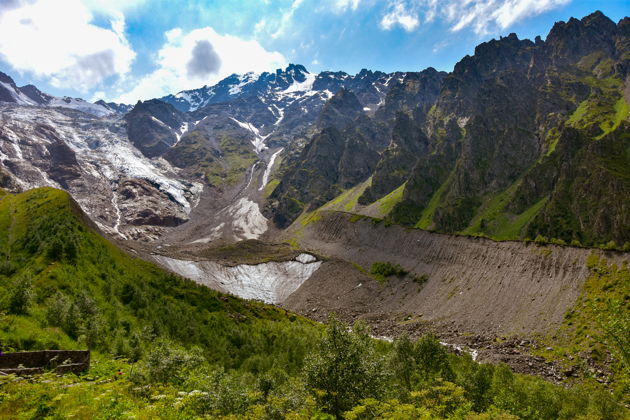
21, 295
383, 270
169, 363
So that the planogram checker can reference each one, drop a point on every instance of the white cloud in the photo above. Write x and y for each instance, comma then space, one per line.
481, 16
343, 5
484, 16
233, 55
399, 14
61, 44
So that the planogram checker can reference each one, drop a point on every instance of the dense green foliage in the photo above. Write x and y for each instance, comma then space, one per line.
347, 375
164, 347
60, 283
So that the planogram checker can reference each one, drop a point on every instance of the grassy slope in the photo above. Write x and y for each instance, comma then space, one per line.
119, 304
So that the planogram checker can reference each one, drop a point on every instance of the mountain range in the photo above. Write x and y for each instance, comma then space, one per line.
523, 139
199, 235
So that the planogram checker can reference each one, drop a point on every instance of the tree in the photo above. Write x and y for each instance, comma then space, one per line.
21, 295
432, 359
344, 369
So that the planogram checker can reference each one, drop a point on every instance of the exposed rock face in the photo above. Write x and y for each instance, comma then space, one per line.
152, 125
340, 111
341, 155
498, 138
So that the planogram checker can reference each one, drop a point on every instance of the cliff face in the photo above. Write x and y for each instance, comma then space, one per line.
519, 136
524, 138
472, 284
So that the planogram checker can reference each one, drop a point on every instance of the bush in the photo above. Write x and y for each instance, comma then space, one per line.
169, 363
383, 270
21, 295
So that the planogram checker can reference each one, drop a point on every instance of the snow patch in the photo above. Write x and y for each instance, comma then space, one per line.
267, 172
305, 258
270, 282
305, 86
247, 220
259, 141
462, 121
81, 105
182, 130
18, 96
160, 122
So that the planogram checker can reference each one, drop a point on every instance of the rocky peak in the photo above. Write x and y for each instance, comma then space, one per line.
164, 112
569, 41
35, 94
340, 110
495, 56
154, 126
5, 78
297, 72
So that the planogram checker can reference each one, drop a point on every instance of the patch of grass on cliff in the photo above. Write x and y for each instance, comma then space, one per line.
491, 211
270, 187
605, 110
426, 219
386, 204
348, 199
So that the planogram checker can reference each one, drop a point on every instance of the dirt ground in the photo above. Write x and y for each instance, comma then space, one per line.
493, 299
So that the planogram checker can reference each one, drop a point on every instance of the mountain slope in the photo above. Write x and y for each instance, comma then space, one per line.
89, 293
512, 143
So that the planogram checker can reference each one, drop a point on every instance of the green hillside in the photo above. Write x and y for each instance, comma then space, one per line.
164, 347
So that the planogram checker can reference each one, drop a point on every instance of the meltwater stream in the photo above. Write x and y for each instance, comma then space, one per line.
271, 282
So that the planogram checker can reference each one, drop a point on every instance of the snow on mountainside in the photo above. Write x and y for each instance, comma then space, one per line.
31, 95
273, 87
124, 192
140, 175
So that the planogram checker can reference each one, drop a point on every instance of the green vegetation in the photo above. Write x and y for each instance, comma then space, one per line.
220, 166
383, 270
346, 375
426, 220
164, 347
236, 159
387, 203
250, 251
597, 327
270, 187
61, 285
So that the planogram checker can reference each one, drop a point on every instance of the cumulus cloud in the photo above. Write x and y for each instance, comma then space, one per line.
400, 14
202, 56
61, 44
204, 60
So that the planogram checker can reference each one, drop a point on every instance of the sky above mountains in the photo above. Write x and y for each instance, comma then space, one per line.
126, 50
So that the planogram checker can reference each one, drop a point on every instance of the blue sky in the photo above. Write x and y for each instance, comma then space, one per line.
138, 49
